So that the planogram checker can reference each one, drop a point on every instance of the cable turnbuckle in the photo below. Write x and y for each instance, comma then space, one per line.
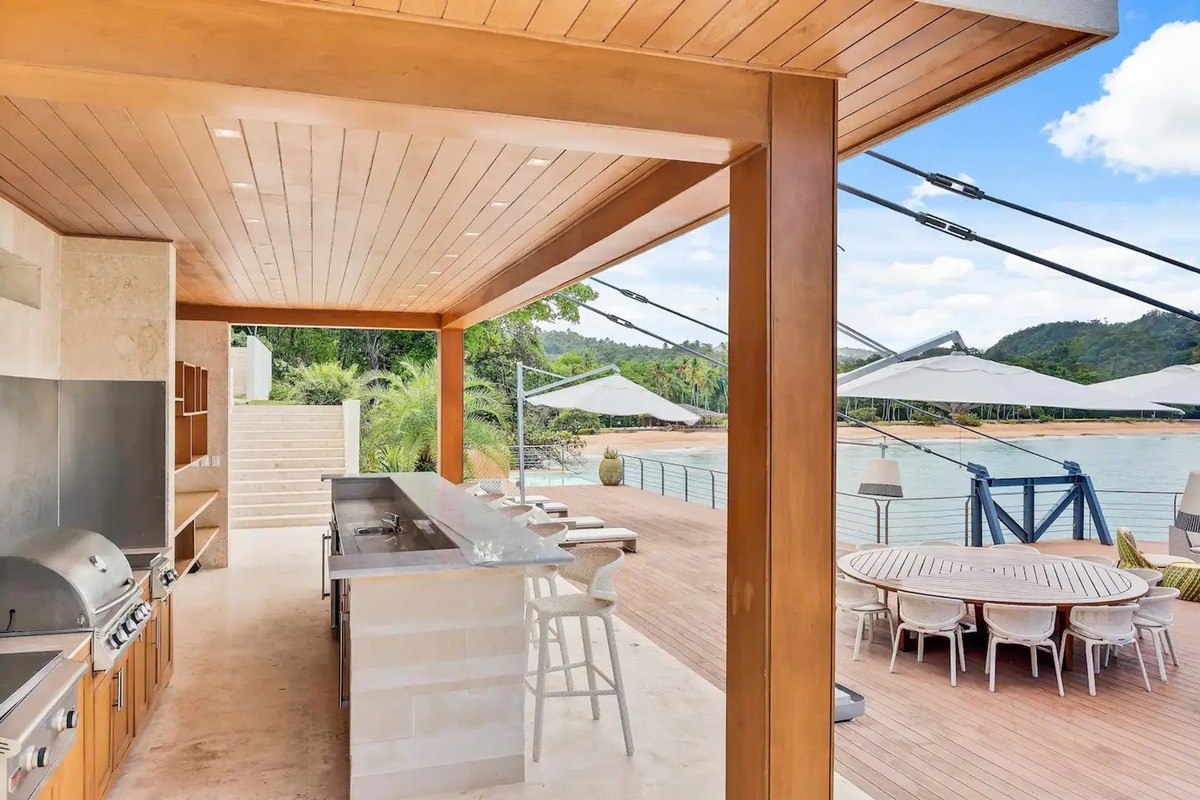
946, 226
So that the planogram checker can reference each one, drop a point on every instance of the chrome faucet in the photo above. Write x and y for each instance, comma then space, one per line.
391, 520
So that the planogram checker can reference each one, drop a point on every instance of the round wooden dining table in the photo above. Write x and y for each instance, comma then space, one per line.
979, 575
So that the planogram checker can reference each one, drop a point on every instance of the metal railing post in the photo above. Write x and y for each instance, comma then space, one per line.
685, 484
662, 478
713, 488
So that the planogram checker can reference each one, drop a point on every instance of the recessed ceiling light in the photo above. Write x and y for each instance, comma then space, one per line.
411, 296
242, 185
252, 220
436, 272
538, 162
450, 255
471, 234
498, 204
422, 285
227, 133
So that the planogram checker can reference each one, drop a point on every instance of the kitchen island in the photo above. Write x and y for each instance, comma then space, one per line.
428, 602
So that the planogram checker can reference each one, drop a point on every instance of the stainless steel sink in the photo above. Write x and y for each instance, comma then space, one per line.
374, 530
409, 536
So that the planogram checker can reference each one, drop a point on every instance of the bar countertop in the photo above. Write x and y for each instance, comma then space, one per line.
449, 529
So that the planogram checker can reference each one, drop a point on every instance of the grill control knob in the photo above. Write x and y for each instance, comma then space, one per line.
128, 627
65, 720
145, 610
35, 758
140, 612
120, 637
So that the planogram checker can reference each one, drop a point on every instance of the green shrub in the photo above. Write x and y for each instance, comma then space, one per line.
968, 419
865, 414
326, 384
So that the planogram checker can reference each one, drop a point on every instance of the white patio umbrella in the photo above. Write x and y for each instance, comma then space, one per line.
1179, 384
618, 396
961, 379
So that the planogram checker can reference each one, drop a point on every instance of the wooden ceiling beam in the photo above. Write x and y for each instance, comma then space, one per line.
672, 199
310, 317
254, 60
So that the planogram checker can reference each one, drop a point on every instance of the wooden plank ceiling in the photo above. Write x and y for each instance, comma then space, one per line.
309, 216
284, 214
900, 60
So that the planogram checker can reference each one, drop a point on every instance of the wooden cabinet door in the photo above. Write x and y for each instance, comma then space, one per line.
98, 734
141, 652
123, 673
166, 641
153, 657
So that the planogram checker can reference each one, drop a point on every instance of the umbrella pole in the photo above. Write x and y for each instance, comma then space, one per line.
521, 430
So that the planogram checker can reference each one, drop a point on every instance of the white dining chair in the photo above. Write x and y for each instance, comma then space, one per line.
1103, 627
1103, 561
862, 601
1013, 546
940, 543
1156, 615
492, 499
932, 616
1150, 576
594, 568
1026, 626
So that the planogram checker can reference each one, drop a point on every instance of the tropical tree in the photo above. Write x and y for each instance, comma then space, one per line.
325, 384
400, 421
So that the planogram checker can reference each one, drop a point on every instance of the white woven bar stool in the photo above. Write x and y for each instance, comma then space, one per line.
535, 576
593, 567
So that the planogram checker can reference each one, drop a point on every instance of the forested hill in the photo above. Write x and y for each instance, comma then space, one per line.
1082, 351
1092, 351
606, 351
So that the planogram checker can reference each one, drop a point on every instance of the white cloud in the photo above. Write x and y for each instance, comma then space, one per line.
702, 255
942, 270
924, 190
1110, 263
1146, 121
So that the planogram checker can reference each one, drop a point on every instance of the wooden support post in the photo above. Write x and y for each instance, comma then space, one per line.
779, 738
450, 405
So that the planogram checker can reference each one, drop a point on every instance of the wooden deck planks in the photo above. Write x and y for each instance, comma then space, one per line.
921, 738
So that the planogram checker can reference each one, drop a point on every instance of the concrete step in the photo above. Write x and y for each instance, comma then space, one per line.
259, 474
243, 435
280, 412
289, 508
257, 450
285, 521
276, 485
247, 499
247, 464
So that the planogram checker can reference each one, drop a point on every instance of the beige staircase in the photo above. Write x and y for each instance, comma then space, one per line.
277, 455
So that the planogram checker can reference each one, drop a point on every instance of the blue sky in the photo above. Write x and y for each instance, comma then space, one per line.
1110, 139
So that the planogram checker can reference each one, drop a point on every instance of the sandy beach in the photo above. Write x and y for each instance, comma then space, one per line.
669, 439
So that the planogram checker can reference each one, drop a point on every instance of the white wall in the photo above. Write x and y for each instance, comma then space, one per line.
29, 334
258, 369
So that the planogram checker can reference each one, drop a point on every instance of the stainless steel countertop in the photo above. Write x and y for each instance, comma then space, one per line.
484, 537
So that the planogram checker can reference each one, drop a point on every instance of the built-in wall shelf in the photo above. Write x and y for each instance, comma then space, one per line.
188, 506
196, 460
191, 414
190, 544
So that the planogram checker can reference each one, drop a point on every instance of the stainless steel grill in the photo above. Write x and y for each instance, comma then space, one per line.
71, 579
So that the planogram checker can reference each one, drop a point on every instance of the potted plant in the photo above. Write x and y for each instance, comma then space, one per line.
612, 469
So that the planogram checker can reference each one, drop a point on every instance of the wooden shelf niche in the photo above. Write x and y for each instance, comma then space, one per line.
191, 414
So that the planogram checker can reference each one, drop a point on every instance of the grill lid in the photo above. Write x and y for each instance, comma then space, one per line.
61, 580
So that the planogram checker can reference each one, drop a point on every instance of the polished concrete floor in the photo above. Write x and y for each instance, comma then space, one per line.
252, 713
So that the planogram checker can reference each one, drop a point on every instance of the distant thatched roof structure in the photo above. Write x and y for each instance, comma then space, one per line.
703, 413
